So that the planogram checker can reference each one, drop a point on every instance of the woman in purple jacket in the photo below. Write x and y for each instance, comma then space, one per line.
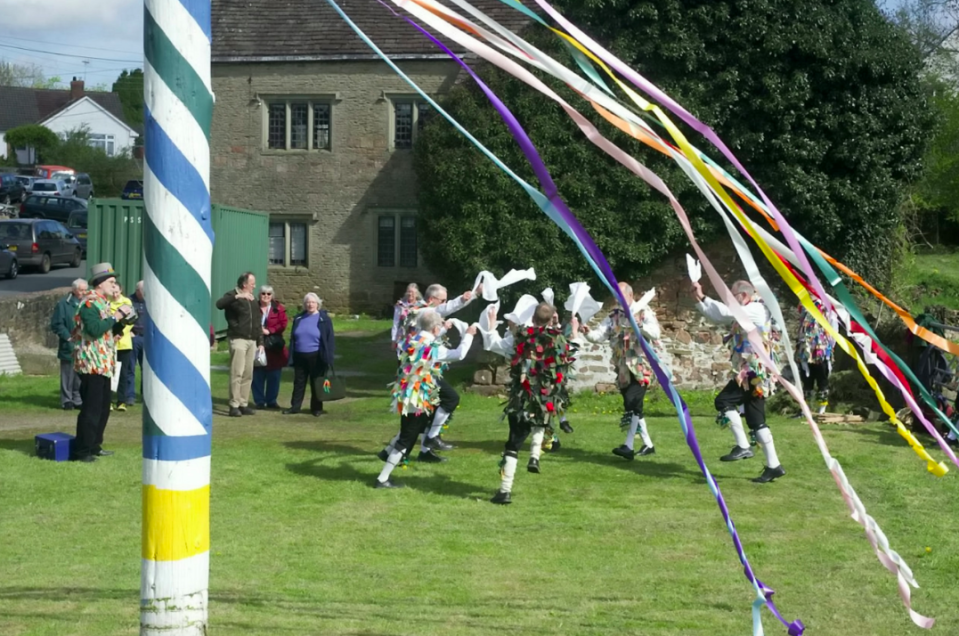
311, 353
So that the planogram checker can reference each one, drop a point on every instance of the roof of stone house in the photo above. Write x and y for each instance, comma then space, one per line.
287, 30
20, 106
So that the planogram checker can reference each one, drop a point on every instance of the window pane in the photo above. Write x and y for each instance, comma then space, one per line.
408, 241
321, 126
403, 125
277, 244
276, 127
386, 242
424, 114
298, 126
297, 244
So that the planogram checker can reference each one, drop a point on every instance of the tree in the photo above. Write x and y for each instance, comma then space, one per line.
820, 100
35, 136
129, 86
13, 74
109, 173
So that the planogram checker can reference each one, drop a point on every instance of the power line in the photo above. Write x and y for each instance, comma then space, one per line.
75, 46
82, 57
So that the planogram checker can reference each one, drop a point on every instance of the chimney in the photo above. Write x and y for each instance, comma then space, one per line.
76, 89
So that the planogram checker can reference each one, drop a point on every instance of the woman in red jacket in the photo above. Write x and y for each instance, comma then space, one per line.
266, 379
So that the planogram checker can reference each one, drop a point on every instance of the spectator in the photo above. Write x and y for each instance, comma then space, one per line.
139, 329
94, 355
311, 353
61, 323
266, 380
245, 336
212, 338
125, 393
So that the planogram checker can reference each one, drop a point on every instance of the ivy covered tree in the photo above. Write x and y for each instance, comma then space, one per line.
821, 101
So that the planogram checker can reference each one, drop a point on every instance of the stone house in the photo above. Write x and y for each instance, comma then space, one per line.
312, 127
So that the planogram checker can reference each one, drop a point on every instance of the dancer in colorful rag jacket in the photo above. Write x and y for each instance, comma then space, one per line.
405, 306
751, 383
633, 374
814, 350
540, 359
416, 391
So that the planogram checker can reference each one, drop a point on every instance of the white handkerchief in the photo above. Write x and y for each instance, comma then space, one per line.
643, 302
694, 268
460, 325
485, 326
522, 314
580, 302
491, 285
548, 295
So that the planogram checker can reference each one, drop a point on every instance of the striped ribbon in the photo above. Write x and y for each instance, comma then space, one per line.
178, 250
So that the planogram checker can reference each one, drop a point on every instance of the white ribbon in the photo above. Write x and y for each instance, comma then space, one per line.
522, 314
580, 302
694, 268
492, 285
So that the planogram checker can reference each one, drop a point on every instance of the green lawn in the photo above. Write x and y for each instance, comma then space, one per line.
930, 279
302, 544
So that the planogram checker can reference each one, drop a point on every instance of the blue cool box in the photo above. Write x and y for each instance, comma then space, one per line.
55, 446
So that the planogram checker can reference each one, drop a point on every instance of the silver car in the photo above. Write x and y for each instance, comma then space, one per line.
83, 186
56, 187
27, 182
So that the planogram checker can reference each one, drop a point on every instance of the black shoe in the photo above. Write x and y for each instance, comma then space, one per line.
625, 452
235, 412
437, 444
261, 406
86, 459
388, 484
565, 427
318, 413
68, 406
430, 457
105, 453
646, 450
383, 455
770, 474
246, 410
555, 446
290, 411
501, 498
273, 406
533, 465
736, 454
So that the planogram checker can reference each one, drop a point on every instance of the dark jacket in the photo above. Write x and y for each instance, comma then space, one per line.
242, 317
327, 344
141, 308
276, 322
61, 323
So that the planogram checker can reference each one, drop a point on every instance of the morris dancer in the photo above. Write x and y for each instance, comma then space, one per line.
540, 357
751, 384
814, 349
411, 301
633, 374
416, 389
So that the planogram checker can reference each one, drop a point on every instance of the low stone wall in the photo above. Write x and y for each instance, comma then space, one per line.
26, 319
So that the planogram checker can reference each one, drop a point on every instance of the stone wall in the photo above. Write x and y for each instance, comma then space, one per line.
340, 192
26, 319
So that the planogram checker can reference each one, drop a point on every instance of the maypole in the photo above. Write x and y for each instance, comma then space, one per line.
178, 249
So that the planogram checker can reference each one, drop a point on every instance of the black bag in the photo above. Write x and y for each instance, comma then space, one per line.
330, 387
274, 342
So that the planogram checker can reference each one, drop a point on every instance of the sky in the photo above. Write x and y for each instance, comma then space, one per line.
108, 34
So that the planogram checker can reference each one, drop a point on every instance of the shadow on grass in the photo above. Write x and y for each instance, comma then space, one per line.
885, 436
45, 400
24, 446
648, 466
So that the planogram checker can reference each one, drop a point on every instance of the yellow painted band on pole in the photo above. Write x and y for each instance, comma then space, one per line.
176, 523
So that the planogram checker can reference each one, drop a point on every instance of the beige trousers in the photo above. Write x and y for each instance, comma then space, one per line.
242, 353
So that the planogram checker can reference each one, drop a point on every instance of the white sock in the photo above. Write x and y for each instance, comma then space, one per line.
536, 442
736, 426
507, 473
391, 462
644, 433
392, 445
562, 419
950, 435
764, 437
631, 433
438, 421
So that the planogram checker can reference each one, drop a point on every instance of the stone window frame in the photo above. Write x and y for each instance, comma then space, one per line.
399, 215
312, 101
417, 123
288, 222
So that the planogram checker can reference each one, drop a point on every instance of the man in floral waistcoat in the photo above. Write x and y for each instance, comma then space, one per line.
95, 330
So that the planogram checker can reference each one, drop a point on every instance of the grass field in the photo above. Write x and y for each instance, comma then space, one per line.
302, 544
931, 279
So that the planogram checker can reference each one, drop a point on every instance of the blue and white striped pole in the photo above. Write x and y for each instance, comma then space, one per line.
178, 250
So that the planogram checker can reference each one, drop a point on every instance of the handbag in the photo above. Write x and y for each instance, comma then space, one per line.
274, 342
330, 387
260, 359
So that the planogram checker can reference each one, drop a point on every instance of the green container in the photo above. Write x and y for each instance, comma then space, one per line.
241, 244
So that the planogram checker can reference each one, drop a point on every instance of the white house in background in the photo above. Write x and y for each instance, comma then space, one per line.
63, 111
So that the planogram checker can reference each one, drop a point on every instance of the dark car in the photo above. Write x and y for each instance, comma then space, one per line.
9, 266
10, 189
41, 243
77, 224
132, 190
41, 206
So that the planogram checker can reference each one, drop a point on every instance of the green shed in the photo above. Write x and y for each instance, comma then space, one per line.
241, 244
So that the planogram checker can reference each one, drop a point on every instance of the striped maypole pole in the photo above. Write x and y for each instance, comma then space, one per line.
178, 251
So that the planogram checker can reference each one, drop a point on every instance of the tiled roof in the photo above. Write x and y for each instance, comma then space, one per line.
20, 106
311, 29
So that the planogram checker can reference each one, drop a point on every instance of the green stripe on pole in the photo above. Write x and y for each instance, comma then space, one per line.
177, 74
175, 275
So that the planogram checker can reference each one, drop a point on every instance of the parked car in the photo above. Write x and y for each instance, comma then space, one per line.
56, 187
9, 266
27, 182
83, 186
40, 206
41, 243
11, 190
133, 190
46, 172
77, 224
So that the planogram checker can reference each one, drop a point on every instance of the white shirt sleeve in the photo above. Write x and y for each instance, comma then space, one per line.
503, 346
650, 326
454, 355
452, 306
600, 333
758, 313
715, 311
